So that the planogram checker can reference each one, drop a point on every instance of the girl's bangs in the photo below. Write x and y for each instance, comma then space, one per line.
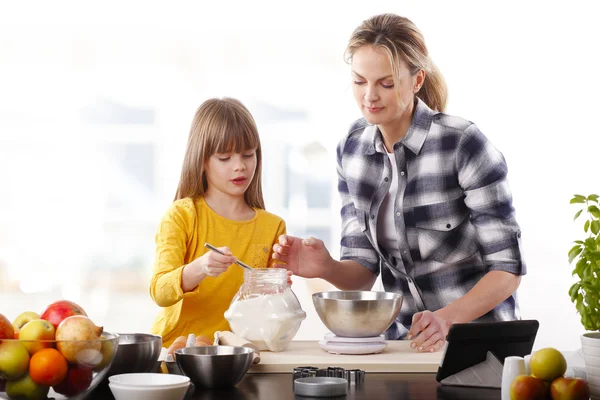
236, 137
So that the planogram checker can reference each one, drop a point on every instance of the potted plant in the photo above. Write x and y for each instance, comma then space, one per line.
585, 292
585, 254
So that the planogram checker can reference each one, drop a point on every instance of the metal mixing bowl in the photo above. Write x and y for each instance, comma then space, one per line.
137, 352
357, 313
214, 366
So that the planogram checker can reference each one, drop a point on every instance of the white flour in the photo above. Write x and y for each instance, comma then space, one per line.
269, 321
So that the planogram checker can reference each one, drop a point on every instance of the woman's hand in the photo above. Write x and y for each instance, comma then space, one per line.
214, 264
304, 257
428, 331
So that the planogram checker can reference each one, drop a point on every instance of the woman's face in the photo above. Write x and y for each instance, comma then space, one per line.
373, 86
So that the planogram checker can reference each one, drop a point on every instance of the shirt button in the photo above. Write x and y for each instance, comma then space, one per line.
385, 179
448, 226
519, 234
405, 251
372, 216
397, 214
402, 173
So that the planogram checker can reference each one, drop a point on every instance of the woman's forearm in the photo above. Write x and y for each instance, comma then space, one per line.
349, 275
491, 290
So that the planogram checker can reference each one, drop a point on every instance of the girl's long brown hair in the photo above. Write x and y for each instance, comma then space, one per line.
401, 40
220, 126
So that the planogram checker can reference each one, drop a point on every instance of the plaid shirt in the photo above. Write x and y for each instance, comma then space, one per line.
453, 212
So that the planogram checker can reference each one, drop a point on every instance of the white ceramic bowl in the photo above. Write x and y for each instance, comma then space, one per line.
148, 386
150, 393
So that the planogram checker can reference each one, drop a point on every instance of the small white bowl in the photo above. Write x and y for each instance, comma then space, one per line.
149, 392
148, 380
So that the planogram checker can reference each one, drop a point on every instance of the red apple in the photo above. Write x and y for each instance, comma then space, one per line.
526, 387
7, 331
78, 379
569, 389
59, 310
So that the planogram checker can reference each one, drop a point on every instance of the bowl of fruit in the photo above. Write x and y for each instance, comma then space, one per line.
59, 354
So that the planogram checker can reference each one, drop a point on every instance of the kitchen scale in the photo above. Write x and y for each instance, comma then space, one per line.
347, 345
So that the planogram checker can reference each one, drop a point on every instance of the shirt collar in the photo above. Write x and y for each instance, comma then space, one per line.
414, 138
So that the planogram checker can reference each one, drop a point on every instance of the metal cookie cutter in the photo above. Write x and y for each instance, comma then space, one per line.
354, 377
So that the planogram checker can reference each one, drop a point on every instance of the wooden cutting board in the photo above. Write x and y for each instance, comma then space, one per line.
397, 357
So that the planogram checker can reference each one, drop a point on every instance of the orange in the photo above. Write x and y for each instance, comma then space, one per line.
48, 367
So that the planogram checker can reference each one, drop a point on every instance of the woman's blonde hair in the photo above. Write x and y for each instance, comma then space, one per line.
400, 39
220, 126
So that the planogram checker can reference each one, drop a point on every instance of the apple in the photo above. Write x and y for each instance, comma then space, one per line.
59, 310
6, 328
25, 388
14, 359
569, 389
35, 332
78, 379
24, 318
526, 387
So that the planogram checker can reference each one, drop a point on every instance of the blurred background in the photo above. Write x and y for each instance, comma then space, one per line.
96, 103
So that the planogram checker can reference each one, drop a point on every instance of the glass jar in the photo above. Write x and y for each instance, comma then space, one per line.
265, 310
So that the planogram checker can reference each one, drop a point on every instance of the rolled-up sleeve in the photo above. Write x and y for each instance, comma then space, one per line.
482, 173
171, 246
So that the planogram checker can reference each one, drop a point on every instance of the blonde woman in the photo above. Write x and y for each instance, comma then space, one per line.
219, 200
425, 199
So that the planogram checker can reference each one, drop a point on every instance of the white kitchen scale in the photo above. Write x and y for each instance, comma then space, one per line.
347, 345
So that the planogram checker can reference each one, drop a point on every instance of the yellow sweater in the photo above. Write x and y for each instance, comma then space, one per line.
180, 238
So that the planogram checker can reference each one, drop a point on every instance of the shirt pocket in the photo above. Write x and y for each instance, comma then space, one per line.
259, 255
447, 237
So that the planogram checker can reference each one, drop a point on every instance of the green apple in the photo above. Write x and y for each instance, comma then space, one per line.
24, 318
35, 332
25, 388
14, 359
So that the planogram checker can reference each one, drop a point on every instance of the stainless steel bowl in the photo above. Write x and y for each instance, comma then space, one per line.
357, 313
214, 366
137, 352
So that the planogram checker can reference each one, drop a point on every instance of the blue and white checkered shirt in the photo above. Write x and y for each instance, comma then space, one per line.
453, 212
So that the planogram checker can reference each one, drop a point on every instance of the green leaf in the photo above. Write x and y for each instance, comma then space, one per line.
577, 215
593, 197
573, 292
574, 252
586, 226
578, 199
595, 226
595, 211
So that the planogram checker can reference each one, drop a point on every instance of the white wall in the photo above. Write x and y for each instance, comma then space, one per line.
526, 72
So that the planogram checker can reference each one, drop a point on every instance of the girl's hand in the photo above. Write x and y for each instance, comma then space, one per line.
429, 331
304, 257
214, 264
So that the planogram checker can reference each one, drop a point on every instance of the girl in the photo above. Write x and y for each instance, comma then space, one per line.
218, 201
425, 197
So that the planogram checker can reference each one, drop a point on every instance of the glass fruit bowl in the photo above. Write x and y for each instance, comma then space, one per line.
67, 369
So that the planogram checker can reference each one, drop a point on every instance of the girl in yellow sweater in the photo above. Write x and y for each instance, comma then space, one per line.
218, 201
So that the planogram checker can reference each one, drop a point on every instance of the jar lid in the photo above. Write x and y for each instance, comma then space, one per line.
321, 386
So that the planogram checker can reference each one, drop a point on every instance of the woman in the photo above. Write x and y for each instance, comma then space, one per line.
425, 200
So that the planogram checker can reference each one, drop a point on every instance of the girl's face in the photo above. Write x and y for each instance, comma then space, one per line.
230, 173
374, 87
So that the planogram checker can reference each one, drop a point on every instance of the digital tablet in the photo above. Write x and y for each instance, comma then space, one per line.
469, 343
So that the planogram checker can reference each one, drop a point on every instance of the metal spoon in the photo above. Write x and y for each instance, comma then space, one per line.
238, 262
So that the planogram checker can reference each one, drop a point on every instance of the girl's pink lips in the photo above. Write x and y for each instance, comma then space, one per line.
374, 109
239, 180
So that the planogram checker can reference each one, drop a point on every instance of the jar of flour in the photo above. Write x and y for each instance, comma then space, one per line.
265, 310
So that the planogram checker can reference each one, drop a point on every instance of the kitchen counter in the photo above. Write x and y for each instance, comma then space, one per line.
376, 386
397, 357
